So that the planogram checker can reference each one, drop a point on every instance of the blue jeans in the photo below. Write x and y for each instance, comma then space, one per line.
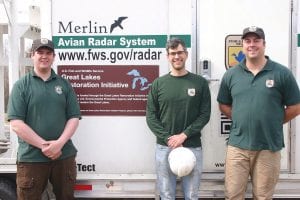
166, 180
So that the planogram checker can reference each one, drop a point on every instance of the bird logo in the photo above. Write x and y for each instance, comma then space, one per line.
117, 23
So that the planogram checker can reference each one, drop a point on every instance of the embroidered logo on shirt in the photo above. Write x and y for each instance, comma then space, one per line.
58, 89
269, 83
191, 92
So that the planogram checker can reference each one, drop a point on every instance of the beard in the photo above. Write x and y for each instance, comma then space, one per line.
178, 66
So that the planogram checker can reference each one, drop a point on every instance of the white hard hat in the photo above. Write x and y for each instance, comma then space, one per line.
182, 161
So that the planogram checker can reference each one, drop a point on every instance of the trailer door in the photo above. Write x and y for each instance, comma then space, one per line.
220, 25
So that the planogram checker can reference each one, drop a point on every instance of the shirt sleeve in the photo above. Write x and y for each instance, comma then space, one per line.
16, 103
152, 114
73, 108
224, 94
291, 92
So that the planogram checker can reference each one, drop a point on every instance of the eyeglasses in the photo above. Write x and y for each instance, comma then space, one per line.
179, 53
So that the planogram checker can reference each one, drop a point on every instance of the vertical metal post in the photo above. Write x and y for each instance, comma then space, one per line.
13, 52
2, 64
2, 98
294, 63
194, 38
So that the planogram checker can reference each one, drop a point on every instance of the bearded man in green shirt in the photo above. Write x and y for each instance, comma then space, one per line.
178, 107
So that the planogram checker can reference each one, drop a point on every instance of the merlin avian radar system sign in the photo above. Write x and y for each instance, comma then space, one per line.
112, 50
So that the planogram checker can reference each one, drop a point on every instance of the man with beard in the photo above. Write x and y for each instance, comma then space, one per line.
178, 108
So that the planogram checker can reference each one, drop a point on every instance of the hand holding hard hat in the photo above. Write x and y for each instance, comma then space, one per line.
182, 161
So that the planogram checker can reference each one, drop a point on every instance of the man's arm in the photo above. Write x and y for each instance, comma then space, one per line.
26, 133
152, 112
53, 148
291, 112
225, 109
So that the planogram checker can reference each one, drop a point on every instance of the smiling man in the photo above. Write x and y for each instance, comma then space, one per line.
43, 111
178, 108
259, 95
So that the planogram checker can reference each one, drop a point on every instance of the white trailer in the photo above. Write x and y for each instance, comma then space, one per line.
112, 50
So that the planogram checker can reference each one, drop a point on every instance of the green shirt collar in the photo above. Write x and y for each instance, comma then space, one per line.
52, 76
267, 67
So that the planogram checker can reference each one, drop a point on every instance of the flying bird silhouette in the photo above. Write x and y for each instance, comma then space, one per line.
117, 23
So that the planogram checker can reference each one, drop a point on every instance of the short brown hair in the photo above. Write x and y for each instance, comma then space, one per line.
174, 43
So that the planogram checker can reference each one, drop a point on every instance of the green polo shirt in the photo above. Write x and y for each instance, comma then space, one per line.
258, 104
45, 106
178, 104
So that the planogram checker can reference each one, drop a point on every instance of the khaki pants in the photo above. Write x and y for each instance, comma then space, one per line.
32, 179
262, 166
